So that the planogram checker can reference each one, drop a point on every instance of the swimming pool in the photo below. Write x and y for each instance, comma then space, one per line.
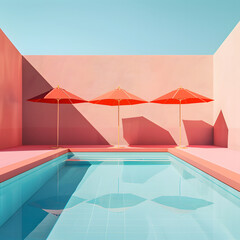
118, 196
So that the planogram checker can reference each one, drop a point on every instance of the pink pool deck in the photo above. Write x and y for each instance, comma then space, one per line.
16, 160
221, 163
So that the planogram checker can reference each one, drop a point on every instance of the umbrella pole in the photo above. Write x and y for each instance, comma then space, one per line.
118, 121
57, 122
180, 124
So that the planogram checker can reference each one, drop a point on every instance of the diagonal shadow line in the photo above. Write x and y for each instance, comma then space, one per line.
39, 119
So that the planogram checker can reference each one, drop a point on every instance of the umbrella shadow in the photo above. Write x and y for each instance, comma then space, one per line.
39, 119
117, 201
198, 132
142, 131
221, 131
57, 204
182, 203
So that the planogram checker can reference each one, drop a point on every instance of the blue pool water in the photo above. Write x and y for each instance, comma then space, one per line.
117, 196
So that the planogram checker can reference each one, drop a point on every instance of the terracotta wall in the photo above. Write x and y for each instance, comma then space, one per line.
90, 76
227, 91
10, 94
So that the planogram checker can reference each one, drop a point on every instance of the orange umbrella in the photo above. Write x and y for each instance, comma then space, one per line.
60, 96
118, 97
181, 96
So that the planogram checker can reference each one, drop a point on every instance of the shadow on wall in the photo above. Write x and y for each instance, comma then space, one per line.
198, 132
221, 131
141, 131
39, 119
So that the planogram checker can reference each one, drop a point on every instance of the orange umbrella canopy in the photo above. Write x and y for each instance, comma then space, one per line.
57, 95
183, 96
60, 96
117, 97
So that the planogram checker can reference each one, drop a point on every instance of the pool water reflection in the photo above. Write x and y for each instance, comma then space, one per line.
128, 196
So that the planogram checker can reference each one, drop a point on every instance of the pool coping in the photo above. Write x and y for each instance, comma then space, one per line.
15, 169
224, 175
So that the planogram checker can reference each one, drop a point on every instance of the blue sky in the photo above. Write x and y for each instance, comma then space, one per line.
118, 27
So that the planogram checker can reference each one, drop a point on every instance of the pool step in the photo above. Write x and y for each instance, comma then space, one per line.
115, 161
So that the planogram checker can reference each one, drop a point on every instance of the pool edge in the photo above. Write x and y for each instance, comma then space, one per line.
222, 174
15, 169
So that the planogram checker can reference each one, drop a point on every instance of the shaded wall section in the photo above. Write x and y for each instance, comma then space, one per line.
198, 132
90, 76
227, 88
141, 131
221, 131
10, 94
39, 119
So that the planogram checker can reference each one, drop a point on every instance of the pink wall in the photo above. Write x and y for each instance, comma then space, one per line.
227, 88
146, 76
90, 76
10, 94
